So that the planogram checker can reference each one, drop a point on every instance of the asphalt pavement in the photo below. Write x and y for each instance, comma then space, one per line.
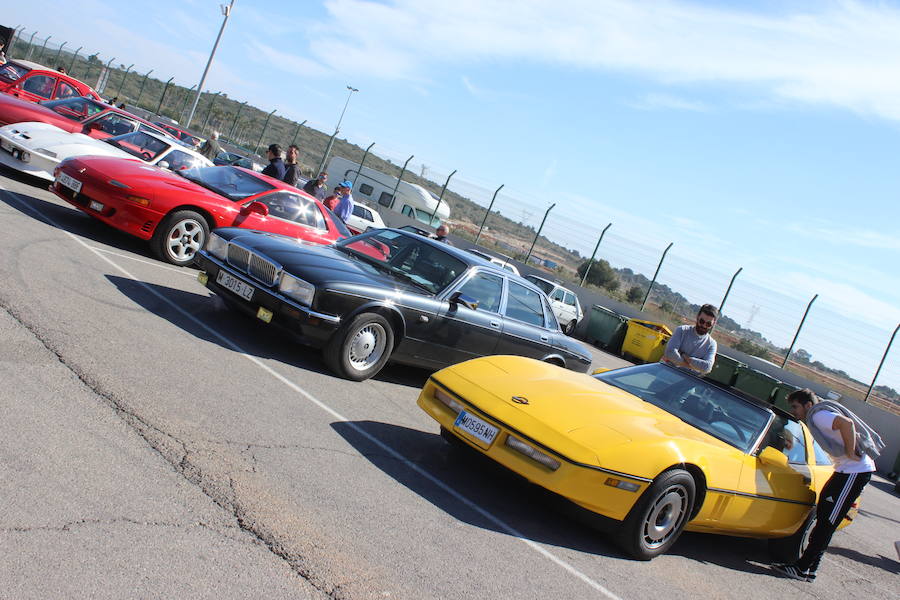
156, 445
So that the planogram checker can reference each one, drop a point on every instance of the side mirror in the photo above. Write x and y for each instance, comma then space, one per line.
255, 207
771, 456
467, 301
95, 125
163, 164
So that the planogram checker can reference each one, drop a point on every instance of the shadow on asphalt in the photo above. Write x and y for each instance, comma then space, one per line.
881, 562
251, 335
529, 510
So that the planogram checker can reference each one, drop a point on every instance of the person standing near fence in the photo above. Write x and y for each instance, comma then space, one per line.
291, 166
692, 346
211, 147
275, 168
851, 444
316, 187
345, 201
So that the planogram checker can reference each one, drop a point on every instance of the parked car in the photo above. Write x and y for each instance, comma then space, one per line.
185, 137
37, 148
175, 211
652, 449
500, 262
364, 218
386, 295
75, 115
33, 82
232, 158
418, 231
565, 303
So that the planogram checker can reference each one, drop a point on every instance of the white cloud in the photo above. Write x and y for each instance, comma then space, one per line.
298, 65
842, 54
668, 102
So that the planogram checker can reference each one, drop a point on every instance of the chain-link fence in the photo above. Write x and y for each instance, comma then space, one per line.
834, 347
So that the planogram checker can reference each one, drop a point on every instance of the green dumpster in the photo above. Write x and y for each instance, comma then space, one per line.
755, 383
725, 369
783, 390
607, 328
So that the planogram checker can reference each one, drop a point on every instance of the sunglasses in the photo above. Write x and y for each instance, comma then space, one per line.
706, 322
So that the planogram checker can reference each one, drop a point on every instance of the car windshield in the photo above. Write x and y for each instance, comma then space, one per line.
77, 109
707, 407
11, 71
545, 286
230, 182
406, 256
139, 144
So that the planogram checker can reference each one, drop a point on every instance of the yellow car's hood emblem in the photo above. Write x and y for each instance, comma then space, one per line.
520, 399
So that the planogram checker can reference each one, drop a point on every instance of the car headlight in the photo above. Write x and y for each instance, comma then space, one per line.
296, 288
217, 246
46, 152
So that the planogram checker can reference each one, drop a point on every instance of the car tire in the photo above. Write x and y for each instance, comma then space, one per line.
570, 327
659, 516
179, 237
788, 549
361, 348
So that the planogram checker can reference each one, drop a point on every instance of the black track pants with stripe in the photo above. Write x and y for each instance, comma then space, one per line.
839, 493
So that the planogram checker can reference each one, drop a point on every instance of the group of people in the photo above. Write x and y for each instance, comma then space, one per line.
339, 202
849, 441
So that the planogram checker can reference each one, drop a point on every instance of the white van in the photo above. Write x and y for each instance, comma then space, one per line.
374, 187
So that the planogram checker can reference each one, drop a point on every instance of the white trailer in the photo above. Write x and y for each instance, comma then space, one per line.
376, 188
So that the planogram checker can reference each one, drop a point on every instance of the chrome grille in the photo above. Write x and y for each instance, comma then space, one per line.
262, 270
252, 264
238, 257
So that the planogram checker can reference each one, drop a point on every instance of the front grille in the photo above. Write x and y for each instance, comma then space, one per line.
258, 267
262, 270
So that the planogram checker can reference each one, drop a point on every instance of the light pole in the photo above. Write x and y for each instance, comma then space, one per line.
226, 10
336, 129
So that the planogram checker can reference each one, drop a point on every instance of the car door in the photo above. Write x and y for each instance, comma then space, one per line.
460, 333
775, 486
109, 124
289, 214
36, 87
564, 312
525, 331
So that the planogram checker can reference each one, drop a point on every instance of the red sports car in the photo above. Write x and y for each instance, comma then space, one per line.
176, 211
75, 115
180, 134
33, 82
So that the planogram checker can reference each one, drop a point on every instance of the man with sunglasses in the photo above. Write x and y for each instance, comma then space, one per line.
691, 346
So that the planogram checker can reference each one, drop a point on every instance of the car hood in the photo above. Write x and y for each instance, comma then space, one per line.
139, 175
319, 265
15, 110
575, 414
35, 134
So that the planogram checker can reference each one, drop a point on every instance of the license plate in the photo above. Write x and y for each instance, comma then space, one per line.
475, 427
96, 206
70, 182
235, 285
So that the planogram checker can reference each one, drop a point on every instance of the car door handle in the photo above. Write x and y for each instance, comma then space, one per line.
544, 338
495, 324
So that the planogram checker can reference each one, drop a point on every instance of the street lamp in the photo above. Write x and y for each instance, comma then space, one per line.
226, 10
337, 129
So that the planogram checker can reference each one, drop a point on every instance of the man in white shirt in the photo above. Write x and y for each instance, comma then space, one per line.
852, 471
691, 346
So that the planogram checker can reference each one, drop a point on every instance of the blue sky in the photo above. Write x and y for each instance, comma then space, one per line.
758, 135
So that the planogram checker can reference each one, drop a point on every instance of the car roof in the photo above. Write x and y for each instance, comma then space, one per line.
31, 65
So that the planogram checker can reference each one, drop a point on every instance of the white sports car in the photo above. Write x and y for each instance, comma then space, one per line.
36, 148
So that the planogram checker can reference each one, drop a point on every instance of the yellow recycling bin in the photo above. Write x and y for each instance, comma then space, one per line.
645, 340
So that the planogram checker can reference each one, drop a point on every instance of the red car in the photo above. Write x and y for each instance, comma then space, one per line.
175, 212
33, 82
179, 134
76, 115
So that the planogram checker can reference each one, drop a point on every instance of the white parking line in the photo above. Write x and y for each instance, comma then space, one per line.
509, 529
180, 270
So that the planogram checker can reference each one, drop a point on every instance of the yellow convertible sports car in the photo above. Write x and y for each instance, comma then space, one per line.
652, 447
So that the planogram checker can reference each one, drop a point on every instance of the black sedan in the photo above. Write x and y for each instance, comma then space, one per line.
385, 294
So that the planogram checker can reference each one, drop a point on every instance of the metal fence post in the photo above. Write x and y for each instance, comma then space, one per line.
658, 267
209, 111
56, 58
725, 297
441, 197
237, 114
883, 357
263, 132
72, 64
30, 47
799, 327
163, 97
143, 83
41, 53
490, 206
399, 178
361, 163
100, 77
297, 132
327, 152
124, 77
538, 234
591, 262
187, 96
15, 38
